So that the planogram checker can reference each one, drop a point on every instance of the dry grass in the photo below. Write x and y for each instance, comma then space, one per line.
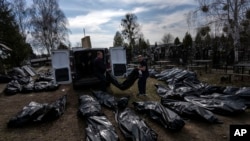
133, 91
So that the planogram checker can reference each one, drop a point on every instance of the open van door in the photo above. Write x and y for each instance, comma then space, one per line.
118, 60
61, 66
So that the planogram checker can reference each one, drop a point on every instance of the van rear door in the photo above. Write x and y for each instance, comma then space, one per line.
118, 60
61, 66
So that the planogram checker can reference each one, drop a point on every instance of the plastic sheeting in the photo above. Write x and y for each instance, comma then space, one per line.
36, 112
230, 90
174, 76
110, 101
177, 94
105, 99
243, 92
99, 128
28, 88
89, 106
130, 124
183, 85
126, 83
163, 115
12, 88
190, 110
133, 127
15, 87
23, 83
224, 107
56, 109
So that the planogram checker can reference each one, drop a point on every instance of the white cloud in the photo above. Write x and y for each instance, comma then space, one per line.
94, 19
101, 24
153, 2
174, 24
93, 23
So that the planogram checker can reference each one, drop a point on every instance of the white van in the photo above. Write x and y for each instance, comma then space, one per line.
76, 65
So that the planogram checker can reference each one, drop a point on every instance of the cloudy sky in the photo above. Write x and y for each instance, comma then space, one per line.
102, 18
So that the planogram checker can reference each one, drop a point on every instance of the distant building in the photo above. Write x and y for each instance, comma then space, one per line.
86, 42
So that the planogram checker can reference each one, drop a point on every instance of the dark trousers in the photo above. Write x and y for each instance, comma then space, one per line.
142, 84
103, 83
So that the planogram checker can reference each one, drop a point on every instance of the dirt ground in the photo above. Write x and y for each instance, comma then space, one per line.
71, 128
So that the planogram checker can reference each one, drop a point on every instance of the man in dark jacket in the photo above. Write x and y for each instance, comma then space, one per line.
100, 70
143, 75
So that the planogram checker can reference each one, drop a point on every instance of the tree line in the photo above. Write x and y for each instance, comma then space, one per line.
222, 27
41, 25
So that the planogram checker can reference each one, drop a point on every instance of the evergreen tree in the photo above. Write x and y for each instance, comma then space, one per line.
10, 36
118, 39
177, 41
187, 40
187, 48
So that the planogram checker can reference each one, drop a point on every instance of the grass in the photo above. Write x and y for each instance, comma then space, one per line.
133, 91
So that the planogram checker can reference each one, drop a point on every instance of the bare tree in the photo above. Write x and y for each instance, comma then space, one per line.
167, 38
224, 13
19, 9
48, 24
130, 28
130, 32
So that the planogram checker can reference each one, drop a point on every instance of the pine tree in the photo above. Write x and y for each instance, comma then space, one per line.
11, 37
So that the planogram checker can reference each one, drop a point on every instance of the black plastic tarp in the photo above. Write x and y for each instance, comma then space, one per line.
29, 114
12, 88
190, 110
184, 86
243, 92
35, 112
133, 127
56, 109
105, 99
99, 128
21, 82
28, 87
163, 115
237, 98
126, 83
178, 93
89, 106
110, 101
180, 76
168, 74
210, 89
161, 89
42, 86
17, 71
230, 90
219, 106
